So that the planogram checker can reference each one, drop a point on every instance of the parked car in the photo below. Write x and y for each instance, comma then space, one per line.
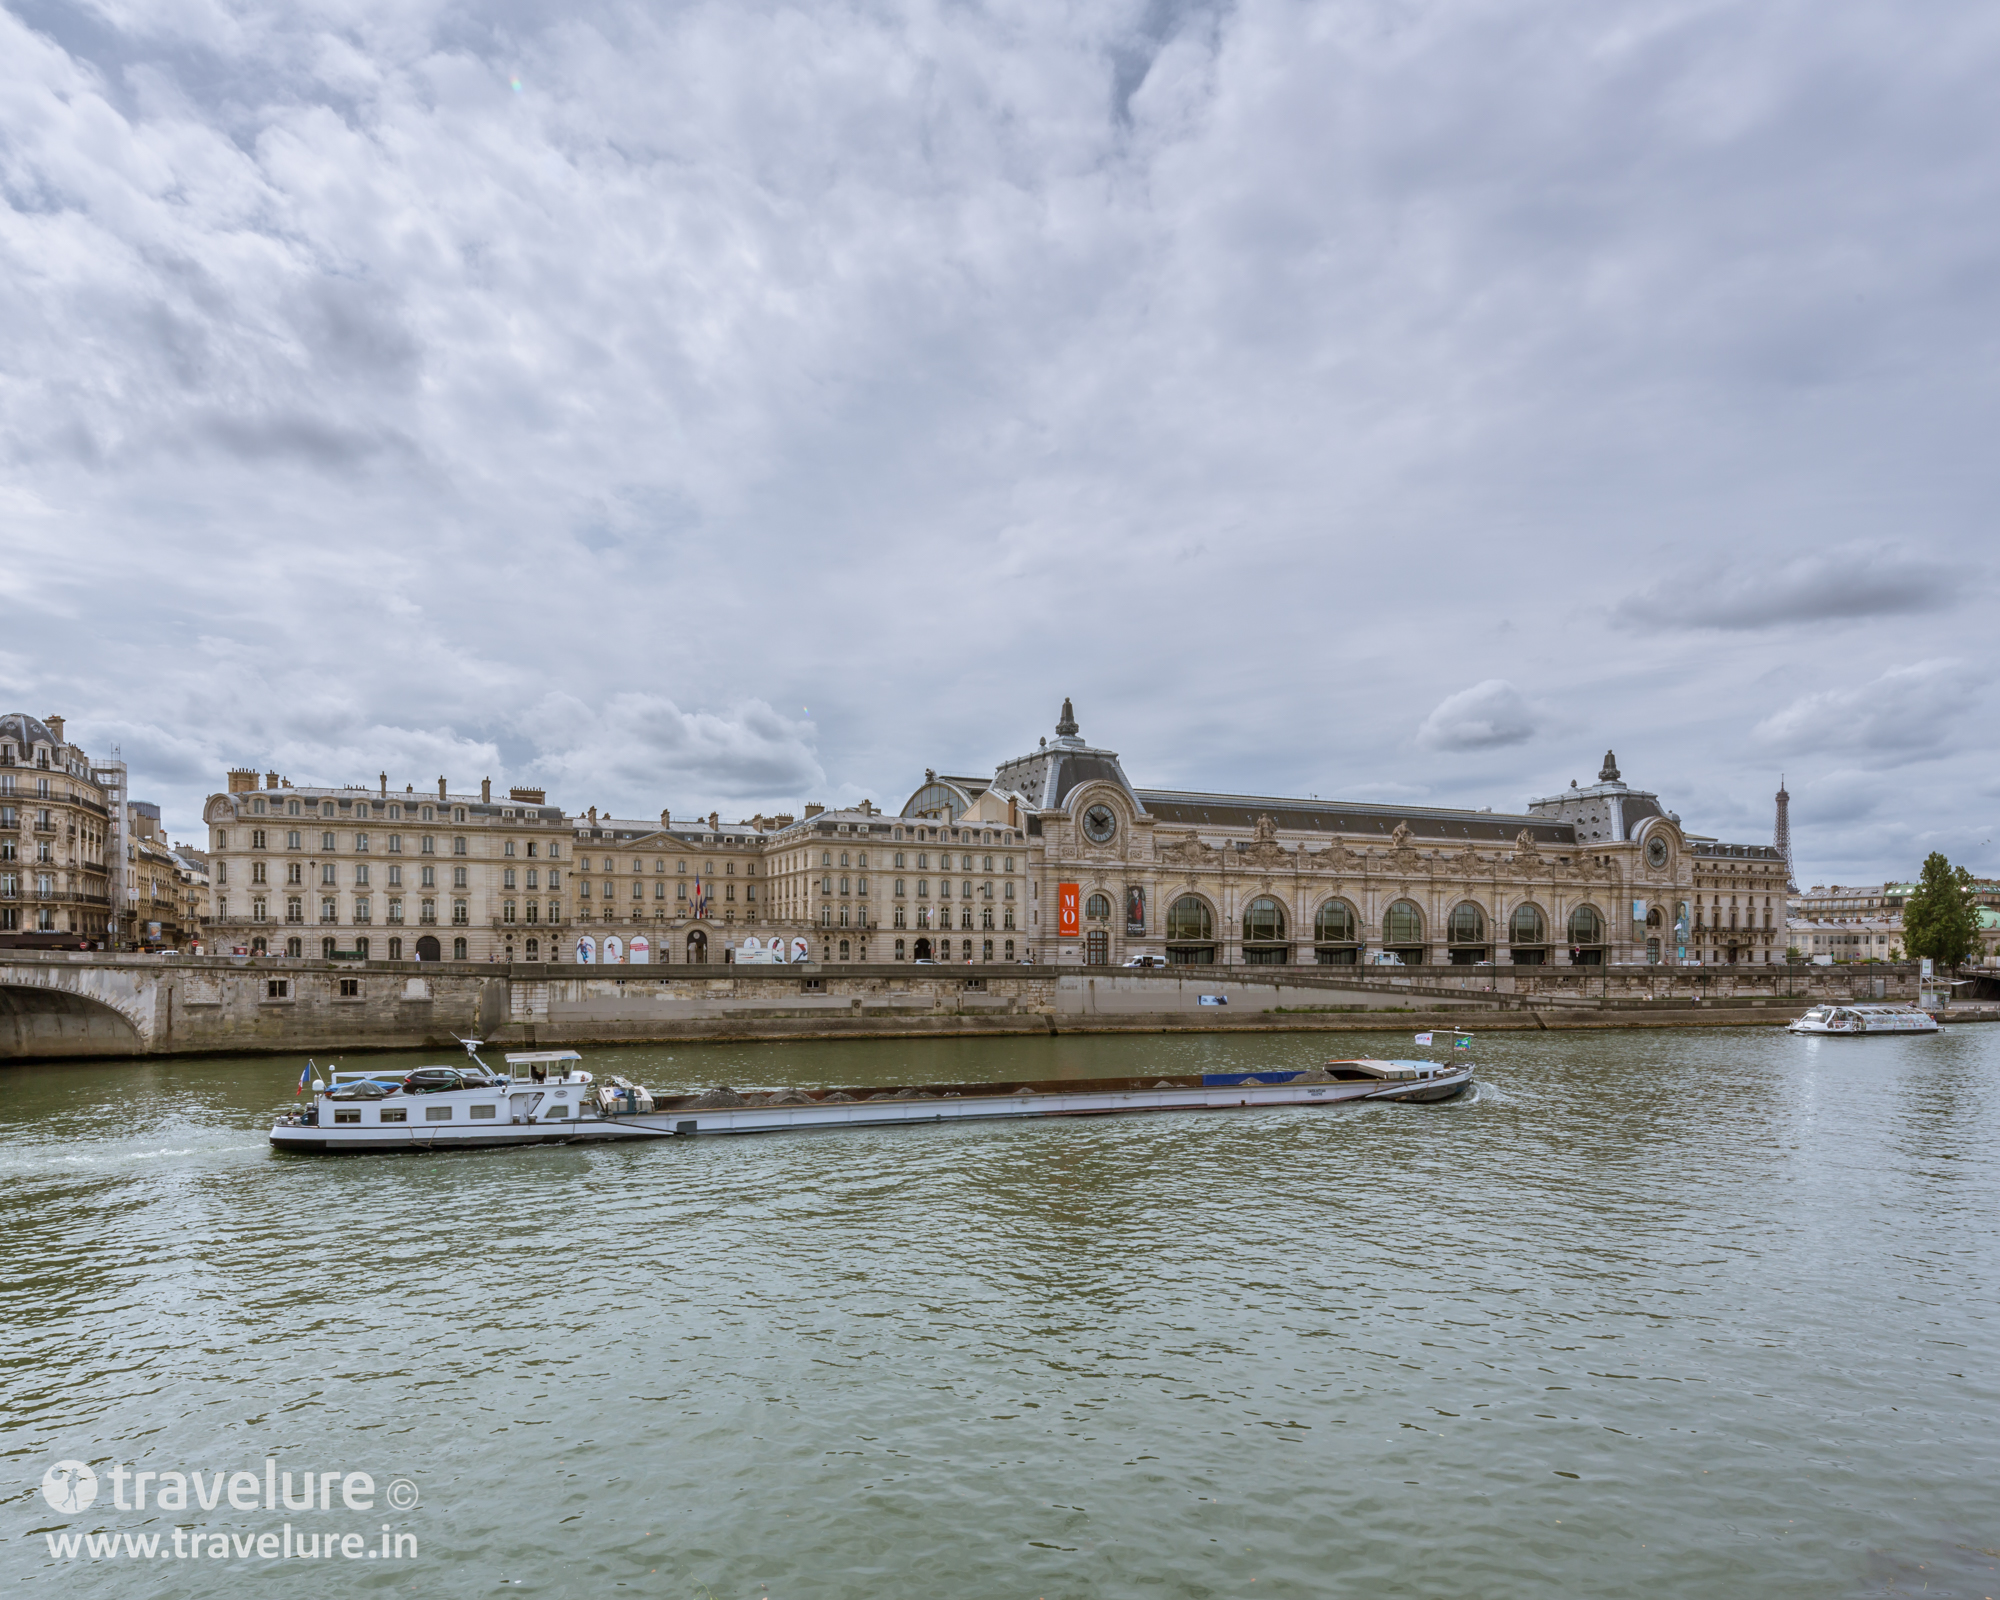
1385, 958
1147, 961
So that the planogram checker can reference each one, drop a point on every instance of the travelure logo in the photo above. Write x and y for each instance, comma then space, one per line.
69, 1487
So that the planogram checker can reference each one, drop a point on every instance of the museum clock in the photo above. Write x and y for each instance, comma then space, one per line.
1099, 824
1656, 851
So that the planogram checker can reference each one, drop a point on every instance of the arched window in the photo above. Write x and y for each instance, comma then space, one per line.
1402, 924
1263, 920
1336, 923
1527, 927
1586, 926
1467, 925
1097, 907
1188, 919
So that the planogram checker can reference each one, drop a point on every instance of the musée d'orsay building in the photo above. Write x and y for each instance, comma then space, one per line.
1057, 857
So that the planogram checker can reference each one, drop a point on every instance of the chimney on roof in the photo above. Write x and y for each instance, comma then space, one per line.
242, 780
55, 727
270, 780
486, 791
715, 819
593, 816
813, 808
385, 783
441, 794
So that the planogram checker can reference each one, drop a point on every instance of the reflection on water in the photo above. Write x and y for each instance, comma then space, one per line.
1703, 1313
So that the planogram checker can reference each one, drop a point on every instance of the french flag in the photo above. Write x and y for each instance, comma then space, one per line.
305, 1079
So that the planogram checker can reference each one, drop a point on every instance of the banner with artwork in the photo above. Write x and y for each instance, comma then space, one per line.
614, 951
586, 949
1068, 906
799, 949
640, 951
1135, 909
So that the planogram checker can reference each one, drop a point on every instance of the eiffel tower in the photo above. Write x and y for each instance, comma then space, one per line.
1782, 837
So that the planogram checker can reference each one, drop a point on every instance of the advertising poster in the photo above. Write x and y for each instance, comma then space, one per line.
641, 951
1068, 910
586, 949
613, 950
1135, 909
799, 948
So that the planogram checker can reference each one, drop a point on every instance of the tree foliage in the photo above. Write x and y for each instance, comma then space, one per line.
1941, 919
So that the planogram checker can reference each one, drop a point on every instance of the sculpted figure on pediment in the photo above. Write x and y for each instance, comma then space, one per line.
1402, 854
1264, 850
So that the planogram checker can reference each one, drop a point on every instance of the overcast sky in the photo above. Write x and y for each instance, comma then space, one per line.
724, 406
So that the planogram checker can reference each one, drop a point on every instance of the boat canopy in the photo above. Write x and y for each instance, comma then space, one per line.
531, 1056
1371, 1068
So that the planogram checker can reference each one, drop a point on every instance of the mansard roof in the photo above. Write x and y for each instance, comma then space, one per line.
1426, 823
17, 727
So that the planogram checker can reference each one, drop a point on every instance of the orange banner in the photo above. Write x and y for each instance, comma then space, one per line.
1069, 916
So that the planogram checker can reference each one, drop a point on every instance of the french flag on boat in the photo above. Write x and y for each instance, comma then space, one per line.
305, 1078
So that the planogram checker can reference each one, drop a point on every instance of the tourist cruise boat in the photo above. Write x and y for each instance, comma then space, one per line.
1858, 1019
545, 1097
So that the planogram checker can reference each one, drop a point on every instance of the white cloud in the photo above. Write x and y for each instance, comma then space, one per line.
1908, 711
1816, 587
1484, 717
638, 743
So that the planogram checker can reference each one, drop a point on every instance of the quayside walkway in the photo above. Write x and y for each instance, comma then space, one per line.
60, 1004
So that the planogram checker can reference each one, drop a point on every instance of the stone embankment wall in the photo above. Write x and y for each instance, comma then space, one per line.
53, 1006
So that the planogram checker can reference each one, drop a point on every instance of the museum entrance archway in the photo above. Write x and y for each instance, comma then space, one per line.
697, 947
427, 948
923, 950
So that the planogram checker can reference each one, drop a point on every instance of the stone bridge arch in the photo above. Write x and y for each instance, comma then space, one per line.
49, 1010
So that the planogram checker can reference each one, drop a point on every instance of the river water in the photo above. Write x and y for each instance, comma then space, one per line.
1704, 1313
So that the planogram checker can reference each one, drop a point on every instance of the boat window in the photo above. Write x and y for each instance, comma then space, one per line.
559, 1110
347, 1116
482, 1111
399, 1115
437, 1113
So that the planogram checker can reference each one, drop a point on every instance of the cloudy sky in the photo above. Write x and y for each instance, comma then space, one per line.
722, 406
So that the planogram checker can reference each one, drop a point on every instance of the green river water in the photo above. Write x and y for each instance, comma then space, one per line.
1702, 1313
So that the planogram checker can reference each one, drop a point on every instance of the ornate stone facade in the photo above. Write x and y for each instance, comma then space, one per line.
386, 876
1593, 875
54, 832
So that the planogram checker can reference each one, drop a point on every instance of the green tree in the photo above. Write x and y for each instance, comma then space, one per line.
1941, 919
